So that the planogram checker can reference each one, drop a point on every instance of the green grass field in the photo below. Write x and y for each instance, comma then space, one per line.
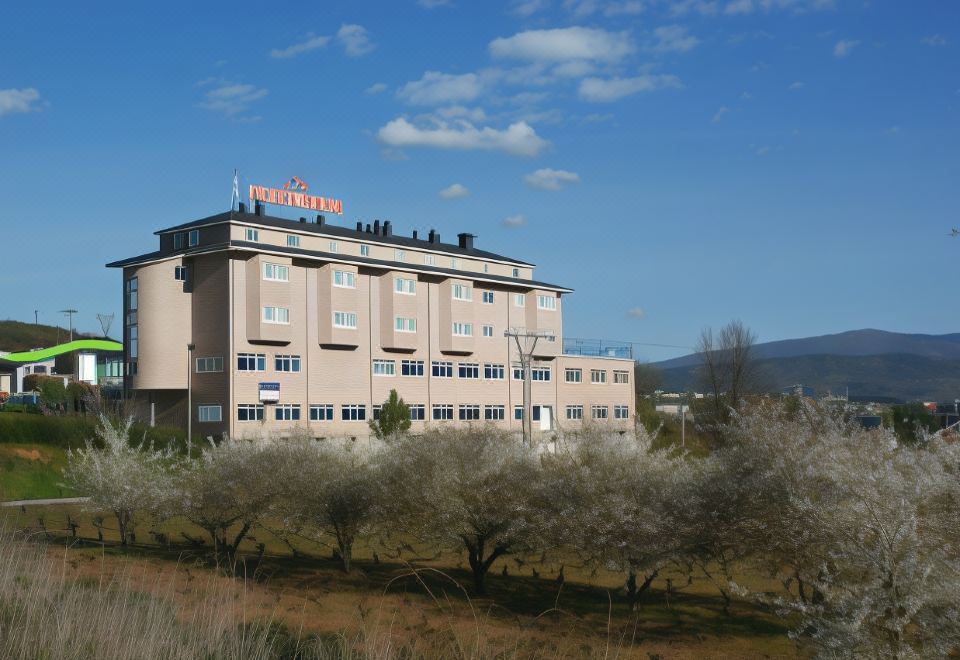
31, 471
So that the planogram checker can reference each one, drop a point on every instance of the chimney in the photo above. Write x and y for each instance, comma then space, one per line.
466, 241
302, 219
243, 207
368, 228
414, 234
258, 209
434, 237
359, 226
376, 227
321, 220
387, 228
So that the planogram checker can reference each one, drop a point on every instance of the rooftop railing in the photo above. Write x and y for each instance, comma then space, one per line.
597, 348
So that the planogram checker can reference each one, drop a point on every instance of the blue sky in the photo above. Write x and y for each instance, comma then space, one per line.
792, 163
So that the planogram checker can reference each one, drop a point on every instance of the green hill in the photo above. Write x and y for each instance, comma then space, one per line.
17, 336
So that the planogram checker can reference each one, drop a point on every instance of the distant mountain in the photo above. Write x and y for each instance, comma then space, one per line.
18, 336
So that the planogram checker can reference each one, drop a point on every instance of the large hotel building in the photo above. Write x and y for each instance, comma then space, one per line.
281, 323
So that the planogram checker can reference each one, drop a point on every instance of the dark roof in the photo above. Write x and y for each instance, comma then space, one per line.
332, 256
327, 229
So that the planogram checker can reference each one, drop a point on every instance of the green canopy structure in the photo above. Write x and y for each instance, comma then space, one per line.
27, 357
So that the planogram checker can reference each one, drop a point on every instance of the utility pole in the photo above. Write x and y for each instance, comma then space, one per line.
36, 317
525, 349
69, 313
190, 348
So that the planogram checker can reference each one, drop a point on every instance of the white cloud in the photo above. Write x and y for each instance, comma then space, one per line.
514, 221
735, 7
794, 86
454, 191
844, 47
673, 39
934, 40
312, 43
13, 101
636, 313
718, 115
355, 40
518, 139
459, 111
376, 88
230, 98
599, 90
436, 88
563, 44
548, 179
573, 69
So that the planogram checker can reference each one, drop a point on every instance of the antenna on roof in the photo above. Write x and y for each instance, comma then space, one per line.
106, 320
235, 195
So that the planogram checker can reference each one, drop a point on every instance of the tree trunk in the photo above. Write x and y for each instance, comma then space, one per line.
122, 520
479, 565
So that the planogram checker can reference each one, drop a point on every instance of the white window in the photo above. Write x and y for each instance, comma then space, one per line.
574, 412
384, 368
250, 412
333, 246
399, 255
540, 374
494, 413
276, 272
345, 279
322, 412
289, 363
519, 299
287, 412
180, 273
418, 412
253, 235
194, 239
403, 324
465, 370
462, 292
208, 364
411, 367
293, 240
251, 362
573, 375
621, 412
403, 285
209, 414
547, 302
621, 377
345, 320
353, 412
442, 369
462, 329
442, 412
364, 250
454, 263
429, 260
516, 272
488, 331
178, 240
469, 412
598, 376
488, 297
493, 371
599, 412
486, 268
279, 315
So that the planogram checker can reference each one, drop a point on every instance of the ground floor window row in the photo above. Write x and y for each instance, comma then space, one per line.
441, 412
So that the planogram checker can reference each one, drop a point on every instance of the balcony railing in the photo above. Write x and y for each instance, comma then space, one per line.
597, 348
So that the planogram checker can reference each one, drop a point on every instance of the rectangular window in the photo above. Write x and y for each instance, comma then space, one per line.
442, 412
364, 250
194, 239
208, 364
462, 292
574, 412
250, 412
442, 370
287, 412
519, 299
462, 329
345, 320
494, 413
180, 273
293, 240
251, 362
493, 371
399, 255
384, 368
276, 272
402, 324
333, 246
488, 331
486, 268
209, 414
488, 297
518, 412
621, 377
353, 412
541, 374
178, 240
598, 376
621, 412
547, 302
468, 370
469, 412
429, 260
454, 263
253, 235
517, 372
573, 375
345, 279
418, 412
132, 289
516, 272
289, 363
403, 285
411, 367
598, 412
278, 315
321, 412
376, 411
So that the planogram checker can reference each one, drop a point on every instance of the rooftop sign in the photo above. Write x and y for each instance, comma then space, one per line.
294, 193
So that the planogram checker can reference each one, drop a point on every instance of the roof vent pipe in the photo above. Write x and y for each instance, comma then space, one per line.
302, 219
321, 220
376, 227
359, 226
243, 207
466, 241
258, 208
434, 237
387, 228
368, 228
414, 234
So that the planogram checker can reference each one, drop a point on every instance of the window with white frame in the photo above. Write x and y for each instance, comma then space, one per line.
454, 263
209, 364
353, 412
411, 367
287, 412
517, 372
276, 272
486, 268
462, 329
547, 302
488, 297
621, 377
518, 412
429, 260
494, 413
541, 374
293, 240
418, 412
180, 273
194, 239
574, 412
290, 363
469, 412
321, 412
493, 371
384, 368
209, 414
364, 250
345, 279
345, 320
468, 370
598, 376
250, 412
442, 369
278, 315
178, 240
442, 412
462, 292
375, 411
333, 246
251, 362
621, 412
253, 235
404, 285
399, 255
516, 272
488, 331
519, 300
404, 324
573, 375
599, 411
